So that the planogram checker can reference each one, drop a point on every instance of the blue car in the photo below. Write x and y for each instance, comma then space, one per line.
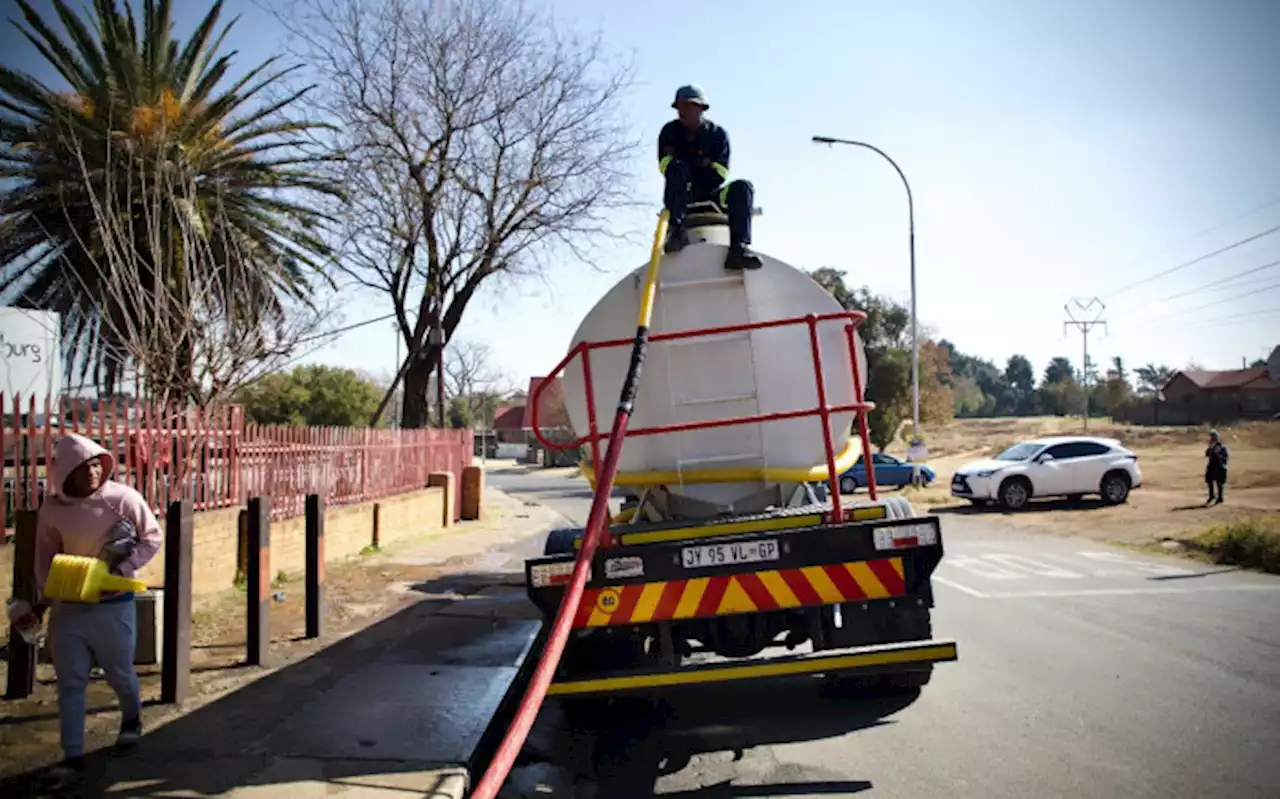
890, 473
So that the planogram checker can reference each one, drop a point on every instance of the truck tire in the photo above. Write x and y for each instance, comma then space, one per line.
560, 542
593, 654
915, 624
908, 624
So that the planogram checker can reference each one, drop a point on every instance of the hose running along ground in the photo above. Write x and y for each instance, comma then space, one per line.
534, 695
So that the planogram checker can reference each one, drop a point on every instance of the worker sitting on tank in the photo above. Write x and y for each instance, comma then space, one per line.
693, 156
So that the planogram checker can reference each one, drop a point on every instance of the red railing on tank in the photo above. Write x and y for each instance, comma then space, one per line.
859, 407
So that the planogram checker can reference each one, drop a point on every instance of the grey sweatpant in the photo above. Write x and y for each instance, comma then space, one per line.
81, 635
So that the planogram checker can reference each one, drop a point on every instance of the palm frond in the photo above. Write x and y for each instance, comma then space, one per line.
143, 108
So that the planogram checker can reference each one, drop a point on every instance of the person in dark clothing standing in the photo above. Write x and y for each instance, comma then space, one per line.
1215, 470
693, 156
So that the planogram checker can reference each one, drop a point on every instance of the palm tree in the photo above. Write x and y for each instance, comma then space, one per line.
144, 110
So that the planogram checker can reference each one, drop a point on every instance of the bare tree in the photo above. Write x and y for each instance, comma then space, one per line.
477, 141
202, 331
469, 374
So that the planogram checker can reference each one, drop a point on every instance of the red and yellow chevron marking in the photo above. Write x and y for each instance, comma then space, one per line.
741, 593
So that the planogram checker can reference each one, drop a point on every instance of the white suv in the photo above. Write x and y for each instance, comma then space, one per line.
1061, 466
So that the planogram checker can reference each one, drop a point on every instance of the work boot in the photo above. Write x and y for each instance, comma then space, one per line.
677, 239
64, 776
741, 257
130, 733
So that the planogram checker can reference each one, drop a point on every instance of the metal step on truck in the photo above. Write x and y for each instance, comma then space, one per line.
734, 556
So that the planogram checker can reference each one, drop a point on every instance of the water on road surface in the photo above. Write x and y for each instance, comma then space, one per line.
1084, 671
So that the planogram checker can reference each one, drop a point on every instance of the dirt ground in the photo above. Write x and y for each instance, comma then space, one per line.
358, 593
1170, 501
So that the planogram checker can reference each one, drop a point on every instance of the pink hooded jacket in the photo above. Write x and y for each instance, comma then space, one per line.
80, 526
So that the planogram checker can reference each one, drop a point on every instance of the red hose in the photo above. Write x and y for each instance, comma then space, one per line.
502, 762
497, 772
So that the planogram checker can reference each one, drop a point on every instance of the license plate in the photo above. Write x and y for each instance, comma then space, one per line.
728, 554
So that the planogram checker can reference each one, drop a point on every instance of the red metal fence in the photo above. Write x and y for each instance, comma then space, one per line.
217, 460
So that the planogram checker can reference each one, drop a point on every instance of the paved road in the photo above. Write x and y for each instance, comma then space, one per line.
1084, 672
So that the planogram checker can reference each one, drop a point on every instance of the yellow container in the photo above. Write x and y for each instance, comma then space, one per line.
75, 578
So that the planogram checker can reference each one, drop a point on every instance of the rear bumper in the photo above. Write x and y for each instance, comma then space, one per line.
800, 567
868, 661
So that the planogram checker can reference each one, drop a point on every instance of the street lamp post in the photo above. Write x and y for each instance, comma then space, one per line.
911, 233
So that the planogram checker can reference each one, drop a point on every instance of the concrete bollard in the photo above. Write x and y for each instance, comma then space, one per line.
472, 493
446, 481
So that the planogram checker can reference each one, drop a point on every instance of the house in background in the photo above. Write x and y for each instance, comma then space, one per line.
1208, 397
553, 422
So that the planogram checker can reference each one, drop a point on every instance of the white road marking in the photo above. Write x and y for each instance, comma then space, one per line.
1034, 567
982, 567
1093, 592
1134, 573
962, 588
1147, 567
1130, 591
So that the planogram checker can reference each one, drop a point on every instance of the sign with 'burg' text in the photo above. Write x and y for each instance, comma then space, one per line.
30, 356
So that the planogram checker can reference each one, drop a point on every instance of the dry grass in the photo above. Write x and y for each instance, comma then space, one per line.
1168, 505
1253, 543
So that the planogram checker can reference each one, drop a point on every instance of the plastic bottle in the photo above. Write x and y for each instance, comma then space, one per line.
23, 618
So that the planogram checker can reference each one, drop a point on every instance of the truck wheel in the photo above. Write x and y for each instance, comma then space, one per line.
910, 624
915, 624
593, 654
1115, 488
1015, 493
560, 542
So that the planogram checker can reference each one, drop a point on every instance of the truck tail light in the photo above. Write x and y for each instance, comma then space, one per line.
905, 536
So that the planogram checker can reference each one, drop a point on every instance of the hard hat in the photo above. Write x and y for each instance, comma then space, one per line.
691, 94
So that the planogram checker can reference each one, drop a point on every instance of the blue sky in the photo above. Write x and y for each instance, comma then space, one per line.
1057, 148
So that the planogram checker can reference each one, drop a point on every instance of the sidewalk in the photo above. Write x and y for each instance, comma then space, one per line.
424, 641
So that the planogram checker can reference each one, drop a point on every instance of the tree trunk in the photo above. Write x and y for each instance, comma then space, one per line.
415, 412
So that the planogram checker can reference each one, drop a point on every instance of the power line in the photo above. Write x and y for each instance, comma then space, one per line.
1202, 306
1208, 230
1194, 261
1271, 265
1272, 287
328, 335
1252, 316
347, 329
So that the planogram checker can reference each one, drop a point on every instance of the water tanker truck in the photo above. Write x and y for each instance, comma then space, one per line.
735, 556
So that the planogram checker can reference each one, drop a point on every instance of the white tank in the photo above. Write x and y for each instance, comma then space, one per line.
726, 375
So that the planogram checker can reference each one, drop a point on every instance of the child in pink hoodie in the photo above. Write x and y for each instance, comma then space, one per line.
88, 513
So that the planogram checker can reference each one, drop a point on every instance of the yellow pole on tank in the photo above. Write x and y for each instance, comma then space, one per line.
651, 276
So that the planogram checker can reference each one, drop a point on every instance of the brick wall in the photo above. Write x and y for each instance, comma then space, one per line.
348, 530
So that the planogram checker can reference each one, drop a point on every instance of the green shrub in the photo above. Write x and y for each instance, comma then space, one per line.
1253, 543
